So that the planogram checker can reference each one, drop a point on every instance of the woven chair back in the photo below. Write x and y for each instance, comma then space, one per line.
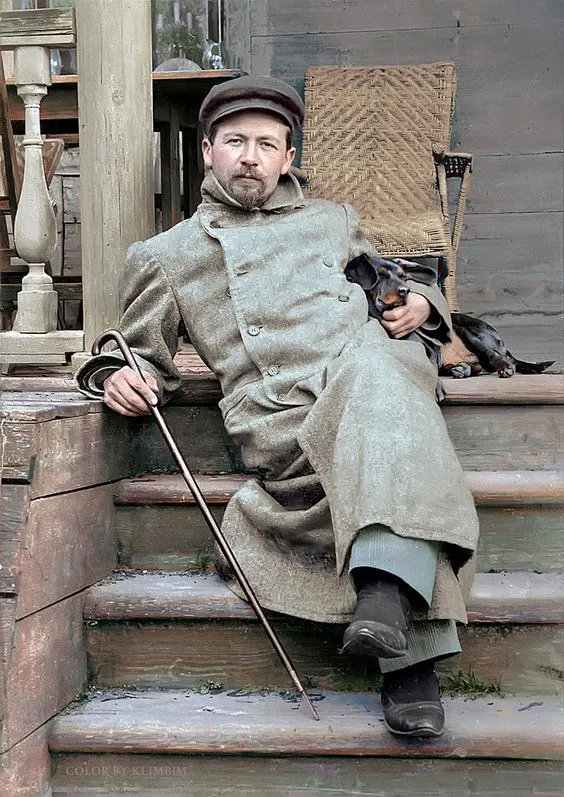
369, 138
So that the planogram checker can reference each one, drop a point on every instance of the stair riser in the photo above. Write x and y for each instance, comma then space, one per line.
186, 655
169, 537
109, 775
503, 437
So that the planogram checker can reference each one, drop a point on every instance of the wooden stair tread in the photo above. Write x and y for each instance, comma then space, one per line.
518, 597
275, 723
200, 386
490, 488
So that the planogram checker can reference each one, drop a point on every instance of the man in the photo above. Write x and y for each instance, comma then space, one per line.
357, 510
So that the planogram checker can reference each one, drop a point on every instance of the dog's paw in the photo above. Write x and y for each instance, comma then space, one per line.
461, 371
506, 371
440, 394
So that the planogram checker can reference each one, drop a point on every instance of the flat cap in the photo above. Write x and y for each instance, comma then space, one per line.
253, 92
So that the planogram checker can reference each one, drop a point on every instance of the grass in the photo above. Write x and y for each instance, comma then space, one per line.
469, 685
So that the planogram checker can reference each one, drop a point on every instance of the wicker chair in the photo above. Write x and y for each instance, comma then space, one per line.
378, 138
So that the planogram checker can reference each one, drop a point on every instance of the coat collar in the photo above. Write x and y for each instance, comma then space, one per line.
287, 195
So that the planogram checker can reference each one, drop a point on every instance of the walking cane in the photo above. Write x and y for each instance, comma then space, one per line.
117, 337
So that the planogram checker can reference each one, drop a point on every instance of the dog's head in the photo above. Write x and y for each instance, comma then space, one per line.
383, 281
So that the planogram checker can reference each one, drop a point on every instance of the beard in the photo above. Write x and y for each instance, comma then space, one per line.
249, 195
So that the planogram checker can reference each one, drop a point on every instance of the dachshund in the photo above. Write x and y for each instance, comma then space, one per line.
476, 346
385, 285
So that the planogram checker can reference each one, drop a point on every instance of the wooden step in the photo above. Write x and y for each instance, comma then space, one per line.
490, 488
521, 519
496, 597
182, 631
485, 436
157, 775
277, 724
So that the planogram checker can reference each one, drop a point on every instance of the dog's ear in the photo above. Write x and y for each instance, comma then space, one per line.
362, 271
418, 271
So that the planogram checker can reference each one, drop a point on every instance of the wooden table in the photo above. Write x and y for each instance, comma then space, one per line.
177, 97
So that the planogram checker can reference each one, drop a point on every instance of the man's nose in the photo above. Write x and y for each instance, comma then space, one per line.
250, 153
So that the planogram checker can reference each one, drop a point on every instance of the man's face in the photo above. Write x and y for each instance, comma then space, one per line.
248, 155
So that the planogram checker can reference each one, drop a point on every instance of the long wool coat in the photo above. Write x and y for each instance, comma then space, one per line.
337, 421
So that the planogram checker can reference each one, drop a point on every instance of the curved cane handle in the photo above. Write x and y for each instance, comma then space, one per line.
117, 337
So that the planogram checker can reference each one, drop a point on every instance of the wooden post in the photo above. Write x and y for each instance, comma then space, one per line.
116, 147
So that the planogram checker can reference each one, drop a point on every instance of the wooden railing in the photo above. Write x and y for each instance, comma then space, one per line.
35, 338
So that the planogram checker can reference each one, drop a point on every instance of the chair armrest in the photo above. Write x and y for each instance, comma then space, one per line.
456, 163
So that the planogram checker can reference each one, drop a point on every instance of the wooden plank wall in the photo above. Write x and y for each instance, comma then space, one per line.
509, 113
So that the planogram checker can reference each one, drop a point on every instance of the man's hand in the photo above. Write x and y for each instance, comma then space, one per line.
125, 392
402, 320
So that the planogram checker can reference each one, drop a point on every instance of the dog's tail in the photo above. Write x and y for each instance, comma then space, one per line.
523, 367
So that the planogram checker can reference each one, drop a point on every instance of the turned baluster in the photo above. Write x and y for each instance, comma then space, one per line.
35, 229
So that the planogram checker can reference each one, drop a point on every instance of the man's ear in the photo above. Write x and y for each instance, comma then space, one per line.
207, 152
290, 155
362, 271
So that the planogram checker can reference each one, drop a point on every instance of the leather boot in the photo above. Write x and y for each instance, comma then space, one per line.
381, 616
411, 701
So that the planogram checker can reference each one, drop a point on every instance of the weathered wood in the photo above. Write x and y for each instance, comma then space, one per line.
47, 668
517, 184
200, 434
523, 660
176, 537
25, 768
509, 263
523, 438
491, 390
349, 725
490, 488
506, 64
200, 386
45, 27
69, 544
519, 597
77, 775
88, 445
116, 129
516, 488
14, 507
526, 659
171, 488
237, 34
340, 16
521, 538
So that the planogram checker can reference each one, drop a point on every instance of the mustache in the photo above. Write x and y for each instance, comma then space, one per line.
252, 173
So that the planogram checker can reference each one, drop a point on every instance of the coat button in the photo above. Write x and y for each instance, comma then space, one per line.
253, 330
228, 292
343, 297
272, 370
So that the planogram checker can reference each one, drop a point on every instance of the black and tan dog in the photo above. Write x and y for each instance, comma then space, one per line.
385, 285
476, 346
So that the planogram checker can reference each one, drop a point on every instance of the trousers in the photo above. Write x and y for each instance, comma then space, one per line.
414, 562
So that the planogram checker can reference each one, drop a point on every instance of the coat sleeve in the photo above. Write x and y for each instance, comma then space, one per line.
150, 323
438, 328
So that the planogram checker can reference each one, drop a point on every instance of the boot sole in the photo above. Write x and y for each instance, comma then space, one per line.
426, 733
364, 641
